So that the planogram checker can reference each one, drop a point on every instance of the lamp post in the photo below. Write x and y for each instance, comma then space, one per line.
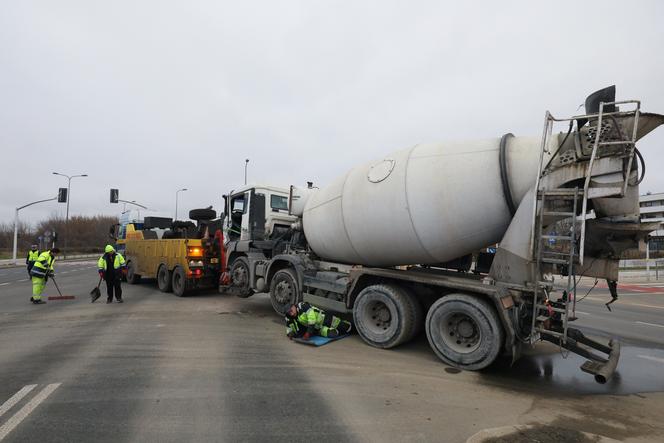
246, 162
69, 177
16, 223
176, 201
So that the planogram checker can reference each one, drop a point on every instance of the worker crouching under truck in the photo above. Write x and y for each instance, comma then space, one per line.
304, 320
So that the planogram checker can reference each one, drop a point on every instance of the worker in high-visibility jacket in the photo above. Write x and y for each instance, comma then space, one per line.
33, 255
112, 267
41, 270
304, 320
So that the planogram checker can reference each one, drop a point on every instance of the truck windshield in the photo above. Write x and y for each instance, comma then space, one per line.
279, 202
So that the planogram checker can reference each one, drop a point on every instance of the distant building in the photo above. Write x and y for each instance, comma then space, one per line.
652, 209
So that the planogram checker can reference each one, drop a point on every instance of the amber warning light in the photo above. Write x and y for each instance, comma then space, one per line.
195, 252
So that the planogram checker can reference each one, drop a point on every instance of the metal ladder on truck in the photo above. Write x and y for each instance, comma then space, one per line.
563, 203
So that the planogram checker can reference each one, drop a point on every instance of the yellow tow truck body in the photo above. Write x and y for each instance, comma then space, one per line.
179, 265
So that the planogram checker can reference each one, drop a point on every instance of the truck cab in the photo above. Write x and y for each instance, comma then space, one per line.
256, 224
256, 213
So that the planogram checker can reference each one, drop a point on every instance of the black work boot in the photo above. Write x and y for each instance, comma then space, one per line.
109, 300
120, 300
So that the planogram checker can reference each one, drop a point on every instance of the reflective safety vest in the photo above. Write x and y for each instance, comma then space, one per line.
118, 263
33, 255
43, 264
313, 318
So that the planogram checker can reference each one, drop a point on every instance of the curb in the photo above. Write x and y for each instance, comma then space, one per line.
539, 433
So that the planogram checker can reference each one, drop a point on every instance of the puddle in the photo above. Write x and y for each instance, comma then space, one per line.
545, 369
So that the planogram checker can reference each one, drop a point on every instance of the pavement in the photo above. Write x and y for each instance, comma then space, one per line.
213, 367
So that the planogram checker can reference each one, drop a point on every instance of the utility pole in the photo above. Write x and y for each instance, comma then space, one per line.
246, 162
69, 177
176, 202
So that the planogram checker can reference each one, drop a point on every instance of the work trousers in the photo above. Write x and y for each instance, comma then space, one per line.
37, 287
111, 285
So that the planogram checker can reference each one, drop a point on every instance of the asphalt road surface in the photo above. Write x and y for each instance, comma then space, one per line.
212, 367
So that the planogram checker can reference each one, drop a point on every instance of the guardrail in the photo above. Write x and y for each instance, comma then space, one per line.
640, 268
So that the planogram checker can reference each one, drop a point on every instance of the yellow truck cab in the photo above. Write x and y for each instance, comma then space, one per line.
180, 255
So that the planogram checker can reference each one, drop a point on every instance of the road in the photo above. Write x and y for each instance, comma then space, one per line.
217, 368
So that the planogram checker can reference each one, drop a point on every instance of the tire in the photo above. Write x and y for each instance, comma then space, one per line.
239, 271
202, 214
179, 282
464, 331
164, 279
284, 290
132, 277
418, 315
385, 315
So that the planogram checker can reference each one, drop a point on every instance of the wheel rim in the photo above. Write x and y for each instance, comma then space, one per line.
377, 317
240, 276
283, 292
177, 281
460, 332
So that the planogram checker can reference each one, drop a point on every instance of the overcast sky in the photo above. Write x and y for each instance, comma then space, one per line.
153, 96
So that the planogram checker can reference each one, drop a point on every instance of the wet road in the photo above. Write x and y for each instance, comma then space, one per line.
217, 368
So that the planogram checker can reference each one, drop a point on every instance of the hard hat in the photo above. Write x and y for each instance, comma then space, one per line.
109, 248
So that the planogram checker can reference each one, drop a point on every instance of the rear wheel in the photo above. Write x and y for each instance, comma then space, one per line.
283, 290
164, 279
132, 277
240, 277
385, 315
464, 331
179, 282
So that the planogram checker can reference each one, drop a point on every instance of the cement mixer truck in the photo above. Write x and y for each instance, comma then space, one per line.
384, 241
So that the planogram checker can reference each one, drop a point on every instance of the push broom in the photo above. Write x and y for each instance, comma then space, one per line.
59, 297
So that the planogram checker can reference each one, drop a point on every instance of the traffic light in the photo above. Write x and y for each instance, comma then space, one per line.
115, 194
62, 195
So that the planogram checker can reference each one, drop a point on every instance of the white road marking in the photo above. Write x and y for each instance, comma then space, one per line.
6, 406
25, 279
650, 324
17, 418
2, 284
583, 313
647, 357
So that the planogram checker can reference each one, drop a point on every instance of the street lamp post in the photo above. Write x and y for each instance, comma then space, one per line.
69, 177
176, 201
16, 223
246, 162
